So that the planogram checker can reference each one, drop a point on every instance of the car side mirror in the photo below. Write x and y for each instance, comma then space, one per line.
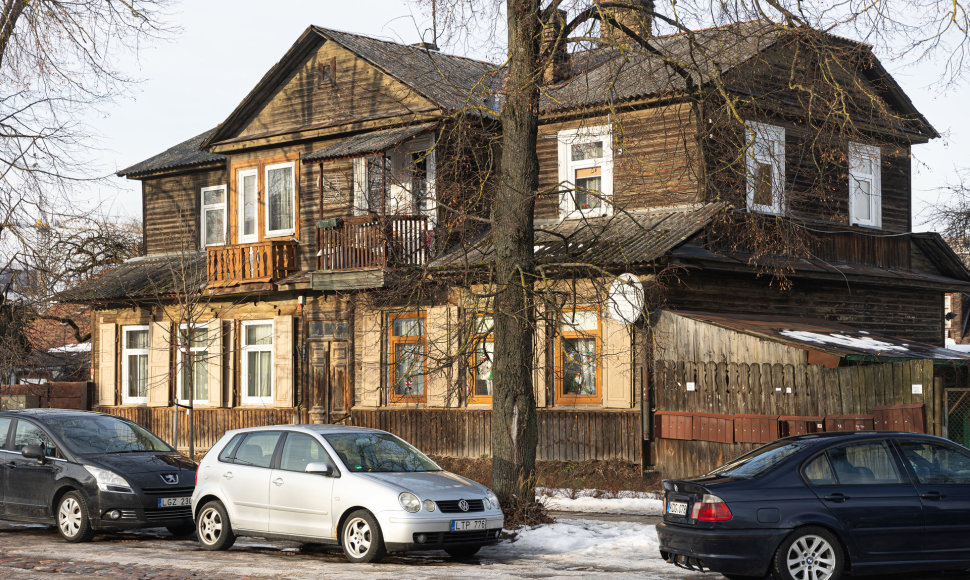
34, 452
319, 468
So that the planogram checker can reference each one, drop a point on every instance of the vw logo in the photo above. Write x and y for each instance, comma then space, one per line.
170, 478
463, 505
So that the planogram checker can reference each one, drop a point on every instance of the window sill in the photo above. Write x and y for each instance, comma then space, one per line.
280, 234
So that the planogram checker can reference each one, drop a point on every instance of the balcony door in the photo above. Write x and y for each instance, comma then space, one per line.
248, 206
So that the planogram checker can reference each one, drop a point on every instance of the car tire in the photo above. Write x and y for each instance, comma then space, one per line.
73, 519
181, 530
361, 538
463, 552
213, 528
809, 552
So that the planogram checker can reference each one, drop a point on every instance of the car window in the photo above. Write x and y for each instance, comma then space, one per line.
257, 449
863, 463
819, 471
30, 434
760, 460
935, 463
226, 455
94, 434
300, 449
4, 429
378, 452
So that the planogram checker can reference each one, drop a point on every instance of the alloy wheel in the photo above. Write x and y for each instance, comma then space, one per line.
357, 537
811, 557
210, 526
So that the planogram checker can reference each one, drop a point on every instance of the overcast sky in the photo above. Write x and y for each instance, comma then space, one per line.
192, 82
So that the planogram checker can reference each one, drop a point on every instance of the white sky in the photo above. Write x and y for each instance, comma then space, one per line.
194, 81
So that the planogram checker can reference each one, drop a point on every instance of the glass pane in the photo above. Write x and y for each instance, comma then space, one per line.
861, 199
257, 334
590, 150
484, 325
215, 226
259, 374
137, 375
249, 205
315, 330
378, 452
937, 464
579, 366
762, 183
4, 428
280, 198
408, 327
863, 464
214, 196
418, 163
136, 339
577, 320
30, 434
228, 449
589, 188
819, 472
199, 336
195, 370
860, 163
299, 450
484, 356
257, 449
409, 369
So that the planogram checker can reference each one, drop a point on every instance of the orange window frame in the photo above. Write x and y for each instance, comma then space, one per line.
392, 343
478, 338
561, 335
232, 200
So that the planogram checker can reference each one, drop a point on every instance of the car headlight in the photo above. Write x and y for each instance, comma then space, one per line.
491, 500
109, 480
409, 501
429, 505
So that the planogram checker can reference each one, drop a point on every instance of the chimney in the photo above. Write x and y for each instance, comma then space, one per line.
638, 18
557, 66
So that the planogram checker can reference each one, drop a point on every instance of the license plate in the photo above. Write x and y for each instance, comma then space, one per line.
677, 508
464, 525
174, 501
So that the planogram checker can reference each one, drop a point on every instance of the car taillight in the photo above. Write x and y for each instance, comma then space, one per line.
710, 509
197, 476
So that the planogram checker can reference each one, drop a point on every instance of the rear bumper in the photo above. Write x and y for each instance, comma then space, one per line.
743, 552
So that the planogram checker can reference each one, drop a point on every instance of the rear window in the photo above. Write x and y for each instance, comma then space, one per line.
760, 460
226, 455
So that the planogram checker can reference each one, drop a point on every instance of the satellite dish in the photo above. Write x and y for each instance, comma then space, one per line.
626, 298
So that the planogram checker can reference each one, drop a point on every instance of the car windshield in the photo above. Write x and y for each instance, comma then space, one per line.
760, 460
378, 452
96, 434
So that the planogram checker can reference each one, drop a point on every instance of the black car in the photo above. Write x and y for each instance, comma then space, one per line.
85, 472
818, 506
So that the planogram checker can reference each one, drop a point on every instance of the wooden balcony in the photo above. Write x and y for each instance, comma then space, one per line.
265, 261
354, 252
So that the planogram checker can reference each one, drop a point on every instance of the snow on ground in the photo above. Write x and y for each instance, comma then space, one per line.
594, 501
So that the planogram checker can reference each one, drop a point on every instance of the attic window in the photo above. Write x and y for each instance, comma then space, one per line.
586, 171
328, 72
865, 189
765, 162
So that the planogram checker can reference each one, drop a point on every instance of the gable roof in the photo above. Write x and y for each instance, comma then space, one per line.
450, 82
188, 153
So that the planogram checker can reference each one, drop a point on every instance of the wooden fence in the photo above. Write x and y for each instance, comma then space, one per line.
53, 395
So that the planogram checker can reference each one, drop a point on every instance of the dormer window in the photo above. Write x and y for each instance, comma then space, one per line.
765, 158
586, 172
865, 187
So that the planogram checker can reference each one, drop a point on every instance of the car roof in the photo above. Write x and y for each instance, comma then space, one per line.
837, 436
44, 413
307, 428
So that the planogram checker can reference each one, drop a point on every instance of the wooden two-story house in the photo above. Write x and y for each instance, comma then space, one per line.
323, 254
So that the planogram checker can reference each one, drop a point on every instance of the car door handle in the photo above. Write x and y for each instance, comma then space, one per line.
227, 475
836, 497
932, 495
11, 464
278, 481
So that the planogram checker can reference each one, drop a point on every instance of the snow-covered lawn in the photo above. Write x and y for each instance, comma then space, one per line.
594, 501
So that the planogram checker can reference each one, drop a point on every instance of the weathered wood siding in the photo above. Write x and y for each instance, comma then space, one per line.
563, 435
653, 158
172, 209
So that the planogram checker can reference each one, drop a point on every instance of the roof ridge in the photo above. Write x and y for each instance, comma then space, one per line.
323, 30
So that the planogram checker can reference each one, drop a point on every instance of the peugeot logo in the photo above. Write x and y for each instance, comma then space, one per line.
463, 505
172, 478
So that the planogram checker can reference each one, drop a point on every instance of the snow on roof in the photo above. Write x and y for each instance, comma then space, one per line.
71, 348
859, 342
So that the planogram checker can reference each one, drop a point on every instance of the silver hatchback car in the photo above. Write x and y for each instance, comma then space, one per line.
364, 489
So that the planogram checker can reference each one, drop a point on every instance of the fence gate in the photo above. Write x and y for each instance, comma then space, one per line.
957, 425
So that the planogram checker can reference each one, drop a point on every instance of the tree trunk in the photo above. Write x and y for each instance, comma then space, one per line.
514, 430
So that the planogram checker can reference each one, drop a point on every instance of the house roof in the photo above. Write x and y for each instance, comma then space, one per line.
186, 154
632, 237
828, 337
143, 277
366, 143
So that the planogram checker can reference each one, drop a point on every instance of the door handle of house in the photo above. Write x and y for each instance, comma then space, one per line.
836, 497
278, 481
932, 495
227, 475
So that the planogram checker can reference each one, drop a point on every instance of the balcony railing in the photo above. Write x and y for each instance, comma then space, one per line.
265, 261
363, 242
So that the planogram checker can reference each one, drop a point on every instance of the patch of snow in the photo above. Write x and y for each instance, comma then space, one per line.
959, 347
593, 501
71, 348
862, 343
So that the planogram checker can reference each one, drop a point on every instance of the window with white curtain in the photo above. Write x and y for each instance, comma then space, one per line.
193, 364
257, 362
213, 215
280, 200
134, 361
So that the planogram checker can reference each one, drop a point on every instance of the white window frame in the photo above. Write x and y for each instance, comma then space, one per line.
766, 144
193, 349
568, 167
240, 206
291, 230
858, 151
398, 186
246, 349
125, 353
213, 207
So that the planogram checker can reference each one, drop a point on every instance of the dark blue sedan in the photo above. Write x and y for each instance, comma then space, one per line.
814, 507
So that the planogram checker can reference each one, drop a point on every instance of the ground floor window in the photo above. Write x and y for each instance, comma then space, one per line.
193, 364
482, 358
579, 356
134, 361
408, 358
257, 362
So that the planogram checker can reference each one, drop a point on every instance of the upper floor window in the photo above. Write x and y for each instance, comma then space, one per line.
193, 364
248, 199
586, 171
400, 181
280, 200
482, 359
257, 362
407, 354
134, 361
214, 215
765, 162
865, 188
579, 356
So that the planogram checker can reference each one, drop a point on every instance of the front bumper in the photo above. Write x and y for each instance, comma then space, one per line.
404, 532
743, 552
117, 511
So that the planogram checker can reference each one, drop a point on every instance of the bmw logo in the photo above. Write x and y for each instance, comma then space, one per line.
463, 505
